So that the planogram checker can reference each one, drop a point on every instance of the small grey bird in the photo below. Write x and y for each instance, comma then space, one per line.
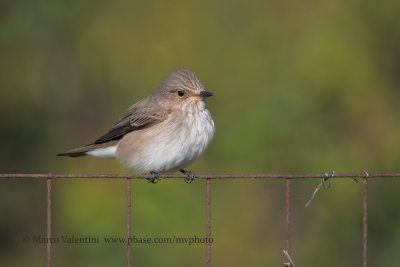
165, 131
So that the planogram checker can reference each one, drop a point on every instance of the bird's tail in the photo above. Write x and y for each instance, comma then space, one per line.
106, 150
77, 152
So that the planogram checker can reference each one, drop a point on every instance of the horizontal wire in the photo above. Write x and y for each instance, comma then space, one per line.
202, 176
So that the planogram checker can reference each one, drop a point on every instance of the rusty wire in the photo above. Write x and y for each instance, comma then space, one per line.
365, 176
208, 215
203, 176
128, 222
287, 235
365, 220
48, 223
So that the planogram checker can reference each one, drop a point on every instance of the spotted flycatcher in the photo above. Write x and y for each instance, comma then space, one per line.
165, 131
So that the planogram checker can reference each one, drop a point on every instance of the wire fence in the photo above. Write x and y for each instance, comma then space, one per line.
288, 262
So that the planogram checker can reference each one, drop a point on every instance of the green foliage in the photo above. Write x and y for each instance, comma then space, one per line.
301, 87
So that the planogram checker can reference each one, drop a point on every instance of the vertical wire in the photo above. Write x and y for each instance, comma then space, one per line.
365, 220
128, 222
287, 237
208, 203
48, 248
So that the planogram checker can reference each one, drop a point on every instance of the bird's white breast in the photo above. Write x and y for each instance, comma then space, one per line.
170, 145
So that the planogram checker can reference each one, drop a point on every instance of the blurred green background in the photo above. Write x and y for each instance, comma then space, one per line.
300, 87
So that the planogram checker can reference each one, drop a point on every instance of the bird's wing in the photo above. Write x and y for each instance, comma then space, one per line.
136, 120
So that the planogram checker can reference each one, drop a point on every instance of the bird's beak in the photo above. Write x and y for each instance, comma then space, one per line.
205, 94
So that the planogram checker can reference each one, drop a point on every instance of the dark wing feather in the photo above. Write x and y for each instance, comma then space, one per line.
145, 113
132, 122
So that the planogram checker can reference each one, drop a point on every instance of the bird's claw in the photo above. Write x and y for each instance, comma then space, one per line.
155, 177
190, 176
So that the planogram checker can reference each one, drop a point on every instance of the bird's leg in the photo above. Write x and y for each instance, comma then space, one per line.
155, 177
190, 176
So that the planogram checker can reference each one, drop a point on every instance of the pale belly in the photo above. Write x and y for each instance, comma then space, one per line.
167, 146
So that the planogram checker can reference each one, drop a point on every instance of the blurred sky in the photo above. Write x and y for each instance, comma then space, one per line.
299, 87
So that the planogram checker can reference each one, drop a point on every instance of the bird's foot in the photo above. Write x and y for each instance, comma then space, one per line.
155, 177
190, 176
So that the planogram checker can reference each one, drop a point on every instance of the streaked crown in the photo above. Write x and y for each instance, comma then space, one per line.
183, 79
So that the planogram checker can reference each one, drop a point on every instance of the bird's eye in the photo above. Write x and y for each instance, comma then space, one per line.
181, 93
